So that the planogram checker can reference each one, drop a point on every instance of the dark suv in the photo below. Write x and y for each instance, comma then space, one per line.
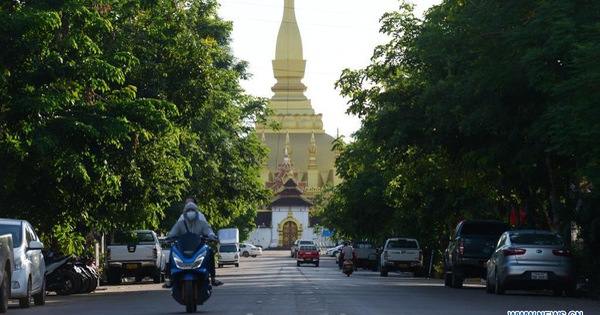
470, 247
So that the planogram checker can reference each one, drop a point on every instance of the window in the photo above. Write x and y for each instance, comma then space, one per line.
536, 239
228, 248
476, 228
403, 244
131, 237
14, 230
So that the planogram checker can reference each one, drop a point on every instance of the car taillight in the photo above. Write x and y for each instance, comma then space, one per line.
514, 251
562, 252
154, 253
461, 248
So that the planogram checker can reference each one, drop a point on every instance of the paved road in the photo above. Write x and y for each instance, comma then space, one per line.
272, 284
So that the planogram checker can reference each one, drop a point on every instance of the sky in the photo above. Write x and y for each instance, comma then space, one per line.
336, 34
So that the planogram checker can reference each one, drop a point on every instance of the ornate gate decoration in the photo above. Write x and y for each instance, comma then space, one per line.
290, 230
290, 234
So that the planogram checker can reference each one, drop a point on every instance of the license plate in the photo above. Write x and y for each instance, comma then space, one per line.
403, 265
308, 259
131, 266
539, 276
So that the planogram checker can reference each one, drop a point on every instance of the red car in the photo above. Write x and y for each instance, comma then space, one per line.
307, 254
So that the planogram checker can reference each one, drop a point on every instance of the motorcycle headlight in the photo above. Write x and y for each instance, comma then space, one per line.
189, 265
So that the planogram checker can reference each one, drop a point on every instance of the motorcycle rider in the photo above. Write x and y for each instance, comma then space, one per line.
192, 222
347, 252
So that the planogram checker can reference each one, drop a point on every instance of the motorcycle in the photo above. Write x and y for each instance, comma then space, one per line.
57, 279
189, 271
348, 267
68, 275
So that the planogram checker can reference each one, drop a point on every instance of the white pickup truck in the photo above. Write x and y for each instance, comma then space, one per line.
134, 254
401, 254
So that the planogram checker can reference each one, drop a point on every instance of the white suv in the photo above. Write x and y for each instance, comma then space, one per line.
229, 255
28, 278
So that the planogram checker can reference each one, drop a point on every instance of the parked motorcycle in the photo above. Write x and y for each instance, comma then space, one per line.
348, 267
69, 275
189, 271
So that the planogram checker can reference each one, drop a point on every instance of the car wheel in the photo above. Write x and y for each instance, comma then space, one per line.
113, 277
4, 292
237, 265
383, 272
157, 276
488, 287
220, 266
448, 279
317, 265
26, 301
457, 280
298, 263
253, 256
245, 254
40, 298
498, 288
570, 290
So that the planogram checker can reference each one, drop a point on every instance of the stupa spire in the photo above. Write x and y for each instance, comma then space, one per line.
289, 66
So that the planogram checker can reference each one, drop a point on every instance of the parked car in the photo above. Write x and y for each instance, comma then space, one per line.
308, 254
530, 259
250, 250
366, 255
296, 244
333, 250
228, 255
401, 254
470, 248
166, 253
134, 254
28, 277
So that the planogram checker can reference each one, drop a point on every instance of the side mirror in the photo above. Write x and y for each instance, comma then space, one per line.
35, 245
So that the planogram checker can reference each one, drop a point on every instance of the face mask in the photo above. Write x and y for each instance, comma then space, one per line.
192, 215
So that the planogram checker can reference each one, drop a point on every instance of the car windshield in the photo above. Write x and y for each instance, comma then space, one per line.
14, 230
364, 245
536, 239
306, 242
130, 237
228, 249
495, 229
402, 244
308, 247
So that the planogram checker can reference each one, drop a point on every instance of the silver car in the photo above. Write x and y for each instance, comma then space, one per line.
28, 278
530, 259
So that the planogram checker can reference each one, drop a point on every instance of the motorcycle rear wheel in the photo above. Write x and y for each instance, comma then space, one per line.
72, 283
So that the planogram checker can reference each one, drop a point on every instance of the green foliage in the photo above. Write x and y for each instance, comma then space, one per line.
111, 111
480, 108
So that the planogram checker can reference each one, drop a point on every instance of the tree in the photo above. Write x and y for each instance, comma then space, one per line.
111, 111
479, 108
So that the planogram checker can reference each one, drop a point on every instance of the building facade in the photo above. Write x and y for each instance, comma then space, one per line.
301, 160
